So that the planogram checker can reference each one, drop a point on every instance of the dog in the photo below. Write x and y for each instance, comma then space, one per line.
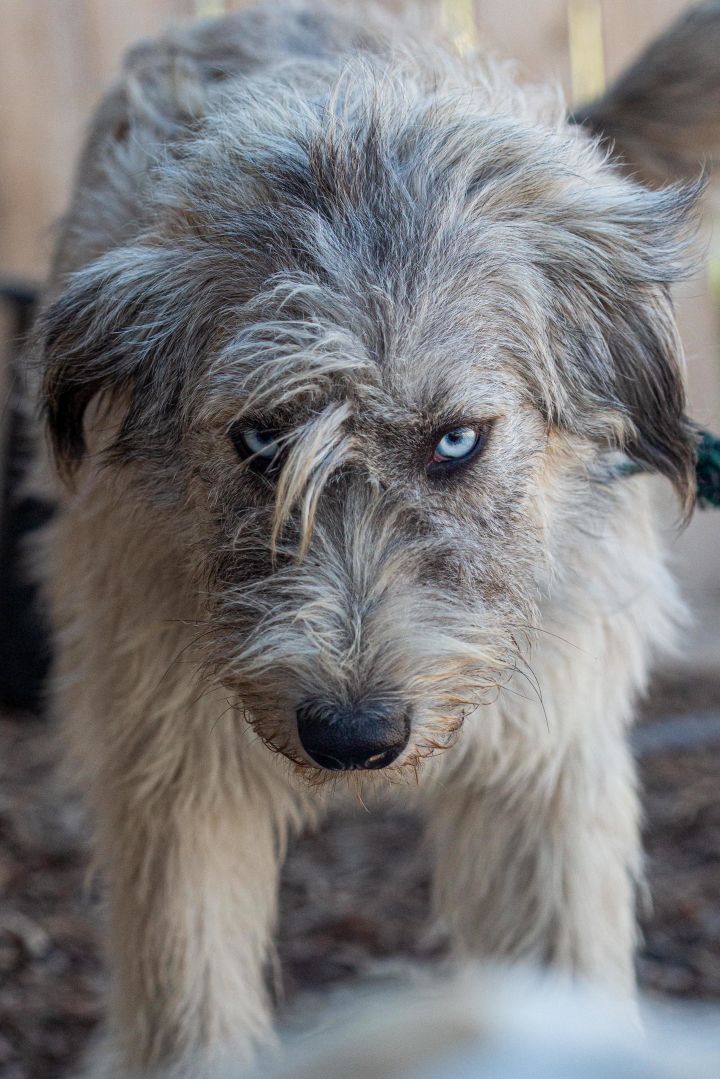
346, 342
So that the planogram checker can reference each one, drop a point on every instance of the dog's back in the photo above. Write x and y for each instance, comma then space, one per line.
661, 119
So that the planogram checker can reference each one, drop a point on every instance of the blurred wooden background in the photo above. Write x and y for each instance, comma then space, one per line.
57, 55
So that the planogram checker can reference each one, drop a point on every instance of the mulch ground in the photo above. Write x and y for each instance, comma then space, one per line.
354, 895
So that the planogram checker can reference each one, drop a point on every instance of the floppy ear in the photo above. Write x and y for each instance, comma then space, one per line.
616, 340
649, 383
123, 326
634, 370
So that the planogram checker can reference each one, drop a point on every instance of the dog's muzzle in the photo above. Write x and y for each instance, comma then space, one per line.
341, 738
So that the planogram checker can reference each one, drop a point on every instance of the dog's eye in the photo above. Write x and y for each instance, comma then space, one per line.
259, 448
456, 446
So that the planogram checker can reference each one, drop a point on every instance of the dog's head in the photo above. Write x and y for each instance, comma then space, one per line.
375, 352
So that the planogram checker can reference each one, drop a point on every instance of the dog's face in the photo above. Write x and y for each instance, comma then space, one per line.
374, 354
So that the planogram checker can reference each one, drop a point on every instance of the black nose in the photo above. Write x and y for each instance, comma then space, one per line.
368, 735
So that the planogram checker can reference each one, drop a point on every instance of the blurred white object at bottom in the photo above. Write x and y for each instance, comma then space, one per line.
495, 1024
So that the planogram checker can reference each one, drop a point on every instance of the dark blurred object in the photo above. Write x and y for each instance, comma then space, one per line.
661, 118
24, 638
708, 470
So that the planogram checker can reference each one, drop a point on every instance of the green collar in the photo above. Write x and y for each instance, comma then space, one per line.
708, 470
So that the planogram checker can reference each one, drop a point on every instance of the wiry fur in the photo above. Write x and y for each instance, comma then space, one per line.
286, 221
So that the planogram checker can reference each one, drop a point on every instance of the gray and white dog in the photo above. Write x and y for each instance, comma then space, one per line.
344, 340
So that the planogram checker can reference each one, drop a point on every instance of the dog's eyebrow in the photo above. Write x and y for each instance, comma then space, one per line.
277, 366
449, 397
277, 419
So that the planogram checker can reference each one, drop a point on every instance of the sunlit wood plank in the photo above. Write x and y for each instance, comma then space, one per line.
538, 40
207, 9
587, 52
458, 19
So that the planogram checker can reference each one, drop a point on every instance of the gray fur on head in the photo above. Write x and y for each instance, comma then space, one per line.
409, 213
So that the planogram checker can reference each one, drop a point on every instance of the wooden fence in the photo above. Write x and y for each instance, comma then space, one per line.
57, 55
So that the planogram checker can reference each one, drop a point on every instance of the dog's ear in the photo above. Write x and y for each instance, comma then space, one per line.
635, 370
616, 344
649, 382
120, 328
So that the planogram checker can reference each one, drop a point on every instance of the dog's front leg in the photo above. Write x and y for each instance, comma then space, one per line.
537, 860
192, 871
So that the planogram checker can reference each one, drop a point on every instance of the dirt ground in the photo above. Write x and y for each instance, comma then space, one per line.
354, 896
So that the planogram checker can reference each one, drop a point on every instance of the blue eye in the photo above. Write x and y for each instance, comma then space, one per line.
260, 448
456, 445
263, 443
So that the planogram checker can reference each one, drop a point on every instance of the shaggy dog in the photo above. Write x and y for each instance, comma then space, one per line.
346, 341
